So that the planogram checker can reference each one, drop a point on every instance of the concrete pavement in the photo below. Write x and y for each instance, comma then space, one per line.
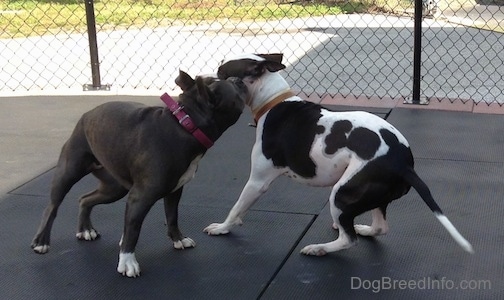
486, 16
33, 130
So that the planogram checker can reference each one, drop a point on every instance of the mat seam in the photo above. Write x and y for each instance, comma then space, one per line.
27, 182
286, 258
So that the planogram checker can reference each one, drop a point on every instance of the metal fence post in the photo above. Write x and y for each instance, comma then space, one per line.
417, 56
93, 50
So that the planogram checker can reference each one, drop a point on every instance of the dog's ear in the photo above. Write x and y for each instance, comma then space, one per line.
203, 90
276, 57
184, 81
272, 62
272, 66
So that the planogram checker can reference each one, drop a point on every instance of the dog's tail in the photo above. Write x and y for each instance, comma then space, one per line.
417, 183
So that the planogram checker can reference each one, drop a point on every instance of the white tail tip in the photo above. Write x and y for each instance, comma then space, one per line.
455, 234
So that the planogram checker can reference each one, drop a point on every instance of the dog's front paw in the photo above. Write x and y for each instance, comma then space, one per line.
184, 243
216, 229
40, 249
315, 249
87, 235
128, 265
40, 244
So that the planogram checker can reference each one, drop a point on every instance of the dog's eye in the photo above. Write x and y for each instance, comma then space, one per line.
249, 74
255, 72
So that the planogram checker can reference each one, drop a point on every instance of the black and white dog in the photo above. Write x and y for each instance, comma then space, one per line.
365, 159
148, 152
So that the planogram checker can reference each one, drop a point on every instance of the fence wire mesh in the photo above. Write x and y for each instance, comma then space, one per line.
331, 47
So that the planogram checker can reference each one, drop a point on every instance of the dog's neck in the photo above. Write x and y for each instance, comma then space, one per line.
186, 121
266, 92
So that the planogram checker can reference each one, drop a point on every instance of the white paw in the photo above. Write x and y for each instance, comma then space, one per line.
216, 229
128, 265
315, 249
41, 249
364, 230
88, 235
335, 226
184, 243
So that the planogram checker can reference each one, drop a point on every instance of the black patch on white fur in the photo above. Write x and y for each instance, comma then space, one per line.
362, 141
377, 184
337, 138
289, 131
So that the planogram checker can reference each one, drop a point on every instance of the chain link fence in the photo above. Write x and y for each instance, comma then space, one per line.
332, 47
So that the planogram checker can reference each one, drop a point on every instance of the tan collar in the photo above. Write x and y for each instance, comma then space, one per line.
258, 113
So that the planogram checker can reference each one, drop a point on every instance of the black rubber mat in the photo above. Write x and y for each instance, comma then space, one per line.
261, 259
417, 249
241, 263
379, 111
451, 135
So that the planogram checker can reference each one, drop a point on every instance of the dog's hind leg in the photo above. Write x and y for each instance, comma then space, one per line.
378, 226
171, 203
346, 238
71, 167
108, 191
343, 213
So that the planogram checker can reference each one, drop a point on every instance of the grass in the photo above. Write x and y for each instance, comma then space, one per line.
20, 18
23, 18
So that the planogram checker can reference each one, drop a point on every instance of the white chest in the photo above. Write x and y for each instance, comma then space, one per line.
189, 173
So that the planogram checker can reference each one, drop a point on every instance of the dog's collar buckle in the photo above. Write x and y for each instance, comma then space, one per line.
187, 123
177, 109
185, 120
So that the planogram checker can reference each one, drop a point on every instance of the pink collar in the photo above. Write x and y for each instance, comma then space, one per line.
186, 121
